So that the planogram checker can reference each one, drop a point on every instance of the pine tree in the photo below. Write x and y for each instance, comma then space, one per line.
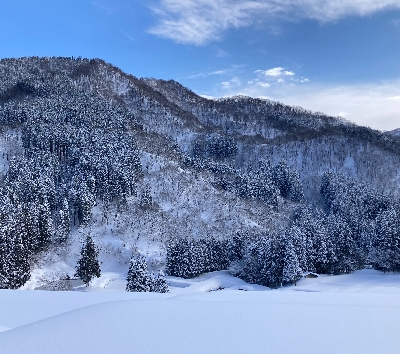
45, 225
160, 285
88, 265
64, 223
291, 269
138, 279
146, 200
345, 260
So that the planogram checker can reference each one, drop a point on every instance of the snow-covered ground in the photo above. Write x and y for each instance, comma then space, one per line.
357, 313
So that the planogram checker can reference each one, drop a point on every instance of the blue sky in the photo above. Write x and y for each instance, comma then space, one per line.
339, 57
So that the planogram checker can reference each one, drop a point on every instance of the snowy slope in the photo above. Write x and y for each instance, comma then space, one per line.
320, 315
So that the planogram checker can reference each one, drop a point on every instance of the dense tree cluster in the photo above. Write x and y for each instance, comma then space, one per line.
215, 146
360, 226
366, 219
188, 257
266, 183
77, 149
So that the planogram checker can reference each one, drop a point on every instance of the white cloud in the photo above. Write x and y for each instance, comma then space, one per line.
263, 84
232, 83
259, 83
375, 104
200, 21
275, 72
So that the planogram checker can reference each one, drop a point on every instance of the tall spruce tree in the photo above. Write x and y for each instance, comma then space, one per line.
291, 269
88, 265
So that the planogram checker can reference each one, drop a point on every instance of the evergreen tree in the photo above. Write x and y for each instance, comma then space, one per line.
146, 201
160, 285
64, 223
346, 257
291, 269
288, 182
88, 265
138, 279
45, 225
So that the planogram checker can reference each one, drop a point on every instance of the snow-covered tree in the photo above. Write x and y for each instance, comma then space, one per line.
385, 252
88, 265
138, 279
291, 269
160, 283
64, 223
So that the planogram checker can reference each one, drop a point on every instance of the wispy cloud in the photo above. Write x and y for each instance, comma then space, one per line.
259, 83
104, 6
220, 53
126, 35
396, 22
232, 83
200, 21
211, 73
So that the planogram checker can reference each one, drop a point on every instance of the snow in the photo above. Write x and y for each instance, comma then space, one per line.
349, 165
356, 313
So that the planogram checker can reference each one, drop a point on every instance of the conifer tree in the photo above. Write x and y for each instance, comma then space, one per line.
146, 200
64, 223
88, 265
138, 279
291, 270
161, 285
45, 225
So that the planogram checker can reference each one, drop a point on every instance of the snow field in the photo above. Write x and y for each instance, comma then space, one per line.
357, 313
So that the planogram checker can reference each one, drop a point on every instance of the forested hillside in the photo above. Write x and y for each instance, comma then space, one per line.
146, 166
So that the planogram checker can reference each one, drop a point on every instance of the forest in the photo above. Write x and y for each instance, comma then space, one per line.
76, 134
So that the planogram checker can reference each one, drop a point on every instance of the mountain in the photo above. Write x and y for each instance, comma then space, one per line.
395, 132
88, 149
